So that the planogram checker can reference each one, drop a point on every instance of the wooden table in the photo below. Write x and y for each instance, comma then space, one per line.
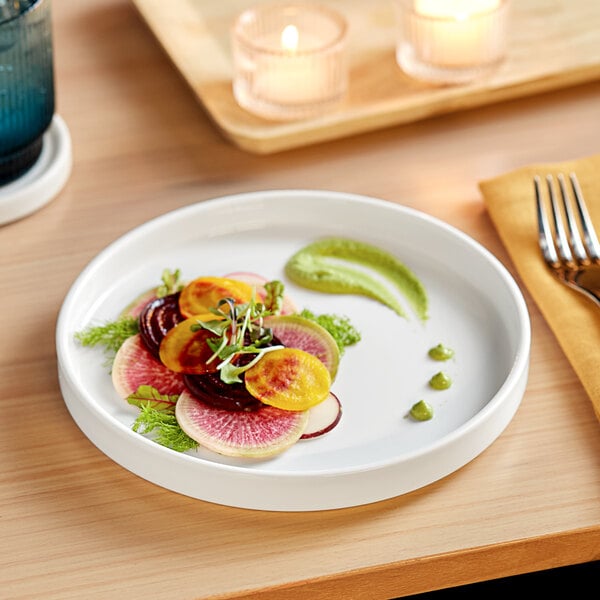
77, 525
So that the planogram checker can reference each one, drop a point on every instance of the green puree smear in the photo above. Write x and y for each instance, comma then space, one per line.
329, 265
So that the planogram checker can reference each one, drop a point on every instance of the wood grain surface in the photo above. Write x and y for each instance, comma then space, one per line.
551, 44
76, 525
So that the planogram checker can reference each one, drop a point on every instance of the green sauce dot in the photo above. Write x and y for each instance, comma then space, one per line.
440, 381
421, 411
441, 352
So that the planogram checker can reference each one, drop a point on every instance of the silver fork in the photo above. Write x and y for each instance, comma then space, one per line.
574, 260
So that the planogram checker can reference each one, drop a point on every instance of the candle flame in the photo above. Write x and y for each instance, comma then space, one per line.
289, 38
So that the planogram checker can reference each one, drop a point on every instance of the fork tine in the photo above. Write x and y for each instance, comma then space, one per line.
544, 235
561, 242
574, 237
582, 274
589, 234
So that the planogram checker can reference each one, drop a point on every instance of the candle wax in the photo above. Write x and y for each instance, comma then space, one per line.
454, 9
291, 77
456, 34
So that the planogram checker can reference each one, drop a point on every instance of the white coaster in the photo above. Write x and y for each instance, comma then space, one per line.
44, 180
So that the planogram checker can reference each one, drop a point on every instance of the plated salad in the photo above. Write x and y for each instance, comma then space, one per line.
229, 363
226, 363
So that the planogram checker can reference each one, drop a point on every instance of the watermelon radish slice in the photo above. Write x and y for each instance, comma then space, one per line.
256, 434
134, 365
294, 331
135, 308
323, 417
258, 281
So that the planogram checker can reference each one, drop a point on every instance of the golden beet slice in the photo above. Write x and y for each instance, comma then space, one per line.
204, 293
185, 351
289, 378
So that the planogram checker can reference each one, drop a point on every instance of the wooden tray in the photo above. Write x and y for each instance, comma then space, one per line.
553, 44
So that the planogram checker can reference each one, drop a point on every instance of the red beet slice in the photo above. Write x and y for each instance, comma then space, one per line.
157, 318
212, 390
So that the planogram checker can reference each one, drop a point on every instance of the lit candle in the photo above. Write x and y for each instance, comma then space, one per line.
456, 33
295, 76
456, 9
289, 60
451, 40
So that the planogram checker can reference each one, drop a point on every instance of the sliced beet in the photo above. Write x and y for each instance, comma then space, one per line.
204, 293
158, 317
289, 378
184, 348
210, 388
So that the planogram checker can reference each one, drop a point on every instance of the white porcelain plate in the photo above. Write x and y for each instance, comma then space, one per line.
376, 452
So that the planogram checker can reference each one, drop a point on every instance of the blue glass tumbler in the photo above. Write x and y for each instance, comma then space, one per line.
26, 83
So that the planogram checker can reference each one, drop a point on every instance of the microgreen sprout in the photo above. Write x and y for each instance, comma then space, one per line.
239, 329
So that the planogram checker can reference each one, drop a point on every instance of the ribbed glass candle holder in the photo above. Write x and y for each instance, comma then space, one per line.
26, 83
451, 41
289, 60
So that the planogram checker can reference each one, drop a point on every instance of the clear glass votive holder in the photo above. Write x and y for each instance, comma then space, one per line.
289, 60
451, 41
26, 83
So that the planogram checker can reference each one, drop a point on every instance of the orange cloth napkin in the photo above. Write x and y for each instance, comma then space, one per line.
574, 319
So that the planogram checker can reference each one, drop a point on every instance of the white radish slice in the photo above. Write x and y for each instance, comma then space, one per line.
252, 434
323, 417
288, 307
